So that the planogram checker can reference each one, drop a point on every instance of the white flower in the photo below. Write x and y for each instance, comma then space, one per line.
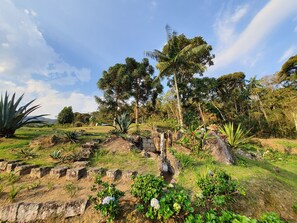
155, 203
107, 200
210, 173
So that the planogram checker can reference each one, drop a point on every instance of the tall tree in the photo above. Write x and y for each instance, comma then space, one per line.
142, 83
115, 84
288, 73
66, 115
182, 57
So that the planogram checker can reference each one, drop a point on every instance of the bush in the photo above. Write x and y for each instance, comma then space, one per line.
270, 217
107, 200
217, 189
147, 187
159, 200
66, 116
13, 118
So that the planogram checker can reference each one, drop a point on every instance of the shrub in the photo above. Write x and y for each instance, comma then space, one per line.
12, 117
217, 189
236, 138
56, 155
72, 136
270, 217
107, 200
147, 187
159, 200
66, 116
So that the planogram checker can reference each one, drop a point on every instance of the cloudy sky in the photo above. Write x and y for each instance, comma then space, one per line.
56, 50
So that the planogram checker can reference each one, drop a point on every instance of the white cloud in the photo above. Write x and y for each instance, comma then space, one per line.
51, 100
269, 17
288, 53
24, 51
226, 23
25, 56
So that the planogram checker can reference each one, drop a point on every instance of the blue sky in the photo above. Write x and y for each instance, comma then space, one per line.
56, 50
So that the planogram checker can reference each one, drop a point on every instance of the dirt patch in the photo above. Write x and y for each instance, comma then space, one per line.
47, 141
117, 145
281, 145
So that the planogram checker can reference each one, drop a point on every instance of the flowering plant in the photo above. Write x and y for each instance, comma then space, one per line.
107, 200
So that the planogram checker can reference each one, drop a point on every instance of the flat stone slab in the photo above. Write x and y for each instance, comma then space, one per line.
58, 172
40, 172
114, 174
96, 171
24, 169
11, 166
128, 175
76, 173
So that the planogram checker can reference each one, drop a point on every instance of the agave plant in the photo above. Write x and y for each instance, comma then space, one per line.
12, 117
236, 138
123, 122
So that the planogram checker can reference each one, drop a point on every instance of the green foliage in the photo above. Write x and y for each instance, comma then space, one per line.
185, 161
215, 217
295, 208
26, 153
56, 155
12, 117
72, 136
147, 187
71, 189
270, 217
66, 116
194, 138
123, 123
107, 200
236, 138
13, 178
159, 200
274, 155
14, 191
217, 189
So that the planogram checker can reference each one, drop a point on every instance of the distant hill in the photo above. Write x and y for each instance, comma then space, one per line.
47, 120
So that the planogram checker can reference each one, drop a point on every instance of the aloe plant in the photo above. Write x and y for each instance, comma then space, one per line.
236, 138
12, 117
123, 122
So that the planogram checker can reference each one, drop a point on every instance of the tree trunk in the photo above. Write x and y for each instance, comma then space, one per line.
201, 113
262, 109
178, 102
136, 111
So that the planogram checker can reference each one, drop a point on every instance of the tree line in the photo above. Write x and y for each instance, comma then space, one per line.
266, 106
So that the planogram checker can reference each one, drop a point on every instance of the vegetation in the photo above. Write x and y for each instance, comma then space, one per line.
123, 123
66, 116
13, 117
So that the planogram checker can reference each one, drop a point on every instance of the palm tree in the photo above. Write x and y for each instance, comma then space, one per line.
181, 56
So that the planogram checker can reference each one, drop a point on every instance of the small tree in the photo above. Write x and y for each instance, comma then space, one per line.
66, 115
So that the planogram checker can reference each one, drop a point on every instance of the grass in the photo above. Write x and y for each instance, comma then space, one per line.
125, 161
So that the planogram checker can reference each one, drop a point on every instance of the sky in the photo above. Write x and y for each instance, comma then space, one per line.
55, 51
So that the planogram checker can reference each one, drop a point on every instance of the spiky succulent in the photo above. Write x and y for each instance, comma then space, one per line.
123, 122
13, 117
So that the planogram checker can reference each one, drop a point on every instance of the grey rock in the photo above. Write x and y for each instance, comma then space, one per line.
27, 212
114, 174
128, 175
40, 172
50, 210
9, 213
76, 173
58, 172
95, 171
75, 208
24, 169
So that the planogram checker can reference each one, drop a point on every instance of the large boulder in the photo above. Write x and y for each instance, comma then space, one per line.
219, 150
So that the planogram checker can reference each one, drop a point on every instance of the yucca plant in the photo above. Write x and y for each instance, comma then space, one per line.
12, 117
236, 138
123, 122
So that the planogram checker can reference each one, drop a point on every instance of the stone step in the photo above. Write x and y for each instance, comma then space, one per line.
40, 172
24, 169
76, 173
114, 174
96, 171
11, 166
3, 164
58, 172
